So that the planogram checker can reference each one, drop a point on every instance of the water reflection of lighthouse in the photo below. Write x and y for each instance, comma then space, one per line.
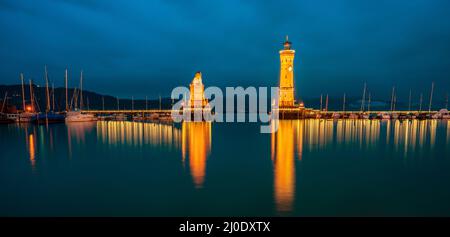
286, 143
196, 146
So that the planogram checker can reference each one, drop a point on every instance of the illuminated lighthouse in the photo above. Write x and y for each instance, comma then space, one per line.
197, 97
286, 99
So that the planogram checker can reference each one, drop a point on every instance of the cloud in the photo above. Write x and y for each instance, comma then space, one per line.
145, 47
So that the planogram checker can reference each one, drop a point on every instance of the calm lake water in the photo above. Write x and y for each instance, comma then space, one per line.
308, 168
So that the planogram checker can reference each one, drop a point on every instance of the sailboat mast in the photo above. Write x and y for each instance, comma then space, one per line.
392, 98
74, 100
409, 101
395, 101
31, 96
326, 103
67, 92
343, 104
23, 92
368, 104
446, 101
4, 101
420, 102
47, 92
81, 90
53, 97
431, 96
320, 102
363, 98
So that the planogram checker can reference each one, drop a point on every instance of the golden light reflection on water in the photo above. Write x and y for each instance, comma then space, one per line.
286, 142
402, 135
322, 133
196, 146
415, 135
32, 149
448, 132
295, 136
293, 139
433, 124
138, 134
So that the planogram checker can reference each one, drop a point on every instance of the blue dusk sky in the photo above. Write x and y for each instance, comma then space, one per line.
138, 48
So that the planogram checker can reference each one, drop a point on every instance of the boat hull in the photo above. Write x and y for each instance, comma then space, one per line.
77, 116
81, 119
26, 118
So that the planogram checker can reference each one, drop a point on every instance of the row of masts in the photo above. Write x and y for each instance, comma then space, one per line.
393, 100
32, 98
50, 102
74, 99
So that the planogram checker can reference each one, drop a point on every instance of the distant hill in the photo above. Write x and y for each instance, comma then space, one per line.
92, 100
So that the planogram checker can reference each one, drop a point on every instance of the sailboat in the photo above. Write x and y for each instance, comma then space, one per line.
49, 116
443, 114
363, 113
77, 115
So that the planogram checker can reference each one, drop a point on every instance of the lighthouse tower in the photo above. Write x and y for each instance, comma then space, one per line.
286, 98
